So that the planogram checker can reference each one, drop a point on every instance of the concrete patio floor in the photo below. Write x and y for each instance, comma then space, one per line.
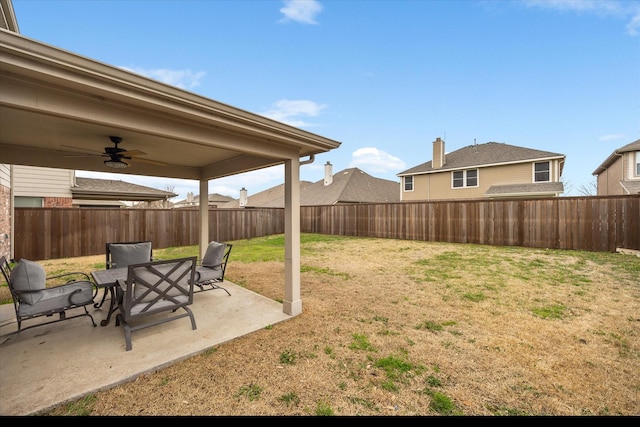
48, 365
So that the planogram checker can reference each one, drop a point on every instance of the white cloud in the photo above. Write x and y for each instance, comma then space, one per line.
633, 27
254, 181
302, 11
184, 79
624, 9
286, 111
612, 137
373, 161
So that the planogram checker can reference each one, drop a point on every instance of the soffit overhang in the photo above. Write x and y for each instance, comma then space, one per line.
55, 104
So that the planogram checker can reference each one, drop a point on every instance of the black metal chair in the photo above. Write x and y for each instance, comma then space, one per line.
32, 298
152, 288
121, 254
210, 271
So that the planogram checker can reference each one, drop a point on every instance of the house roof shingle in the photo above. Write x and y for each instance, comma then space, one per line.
349, 186
550, 189
632, 187
108, 189
483, 155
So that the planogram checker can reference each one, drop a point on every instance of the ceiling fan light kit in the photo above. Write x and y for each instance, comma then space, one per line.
116, 164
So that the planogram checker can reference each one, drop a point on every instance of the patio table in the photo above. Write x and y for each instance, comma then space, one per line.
108, 279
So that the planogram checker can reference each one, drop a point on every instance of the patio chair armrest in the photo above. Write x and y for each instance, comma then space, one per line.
72, 276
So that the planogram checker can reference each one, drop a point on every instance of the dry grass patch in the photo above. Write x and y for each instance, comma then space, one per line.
393, 327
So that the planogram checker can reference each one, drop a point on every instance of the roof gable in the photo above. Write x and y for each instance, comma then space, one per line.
633, 146
483, 155
349, 186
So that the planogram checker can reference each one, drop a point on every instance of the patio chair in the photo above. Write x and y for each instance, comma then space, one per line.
32, 298
152, 289
210, 271
122, 254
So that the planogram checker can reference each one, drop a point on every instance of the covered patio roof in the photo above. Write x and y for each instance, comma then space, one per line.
58, 109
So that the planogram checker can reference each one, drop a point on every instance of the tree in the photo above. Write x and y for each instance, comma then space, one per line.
589, 189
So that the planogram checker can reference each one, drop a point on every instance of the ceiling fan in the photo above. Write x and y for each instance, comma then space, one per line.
115, 155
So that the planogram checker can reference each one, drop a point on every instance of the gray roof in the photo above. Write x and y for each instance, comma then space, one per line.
543, 189
214, 199
634, 146
632, 187
482, 155
349, 186
109, 189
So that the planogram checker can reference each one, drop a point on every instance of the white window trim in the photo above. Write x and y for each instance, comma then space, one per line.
404, 184
464, 179
636, 169
533, 171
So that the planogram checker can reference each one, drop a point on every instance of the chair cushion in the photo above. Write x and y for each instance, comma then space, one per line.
60, 298
205, 274
28, 276
213, 255
125, 254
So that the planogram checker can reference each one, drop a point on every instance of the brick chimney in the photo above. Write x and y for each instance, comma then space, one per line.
438, 153
243, 197
328, 174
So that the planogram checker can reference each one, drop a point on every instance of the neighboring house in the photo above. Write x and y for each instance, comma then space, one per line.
92, 192
269, 198
491, 170
620, 172
348, 186
50, 187
215, 200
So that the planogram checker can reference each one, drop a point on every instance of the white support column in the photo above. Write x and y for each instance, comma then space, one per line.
292, 304
203, 207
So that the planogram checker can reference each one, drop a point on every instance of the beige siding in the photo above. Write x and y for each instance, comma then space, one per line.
31, 181
438, 186
630, 165
5, 177
609, 179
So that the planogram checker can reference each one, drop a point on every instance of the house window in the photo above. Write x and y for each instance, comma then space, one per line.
637, 163
408, 183
542, 172
466, 178
28, 202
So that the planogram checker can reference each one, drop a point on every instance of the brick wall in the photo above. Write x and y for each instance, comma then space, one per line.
5, 221
57, 202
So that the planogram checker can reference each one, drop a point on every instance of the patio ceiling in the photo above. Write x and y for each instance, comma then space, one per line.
55, 104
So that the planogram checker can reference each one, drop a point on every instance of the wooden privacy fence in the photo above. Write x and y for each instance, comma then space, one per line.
593, 223
585, 223
52, 233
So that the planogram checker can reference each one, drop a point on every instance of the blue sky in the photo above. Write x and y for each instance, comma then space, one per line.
385, 78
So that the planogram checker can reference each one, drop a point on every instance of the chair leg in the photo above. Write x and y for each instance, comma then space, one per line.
90, 316
104, 297
193, 319
127, 336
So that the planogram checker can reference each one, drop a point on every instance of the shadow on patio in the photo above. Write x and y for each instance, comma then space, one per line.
45, 366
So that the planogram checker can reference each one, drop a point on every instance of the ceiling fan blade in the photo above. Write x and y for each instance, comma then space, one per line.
85, 155
82, 148
132, 153
151, 162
